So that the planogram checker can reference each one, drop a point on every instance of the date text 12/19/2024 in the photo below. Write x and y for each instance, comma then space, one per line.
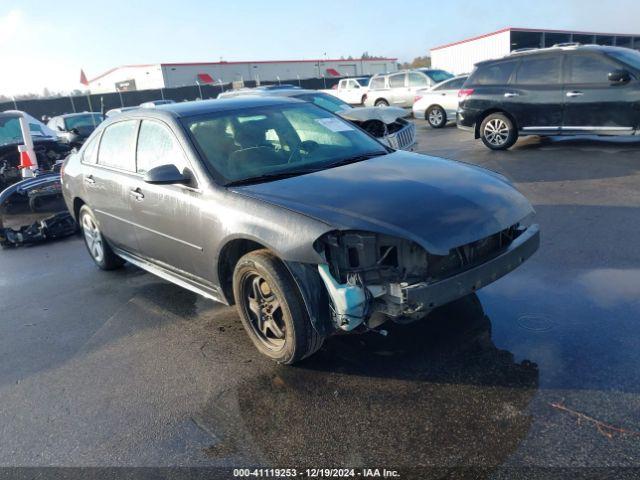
316, 473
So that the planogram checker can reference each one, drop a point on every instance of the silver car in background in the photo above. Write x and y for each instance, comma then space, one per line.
399, 89
438, 105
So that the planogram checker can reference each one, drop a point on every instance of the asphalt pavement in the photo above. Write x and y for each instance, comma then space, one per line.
540, 369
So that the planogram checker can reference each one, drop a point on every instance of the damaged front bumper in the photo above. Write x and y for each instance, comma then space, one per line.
426, 296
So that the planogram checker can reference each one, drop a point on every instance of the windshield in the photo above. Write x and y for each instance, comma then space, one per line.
80, 121
10, 131
438, 75
324, 100
262, 143
628, 56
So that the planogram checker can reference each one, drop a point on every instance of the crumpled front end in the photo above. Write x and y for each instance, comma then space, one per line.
371, 278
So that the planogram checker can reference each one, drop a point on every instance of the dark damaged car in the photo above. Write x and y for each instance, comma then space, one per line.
306, 223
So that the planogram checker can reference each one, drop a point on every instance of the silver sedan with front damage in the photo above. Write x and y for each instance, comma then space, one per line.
306, 223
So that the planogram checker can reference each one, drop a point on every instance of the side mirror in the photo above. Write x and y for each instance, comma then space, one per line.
165, 175
619, 76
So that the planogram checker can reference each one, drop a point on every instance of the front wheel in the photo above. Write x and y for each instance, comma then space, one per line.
272, 310
381, 102
436, 117
498, 132
98, 247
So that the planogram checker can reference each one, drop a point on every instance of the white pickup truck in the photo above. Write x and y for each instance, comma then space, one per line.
350, 90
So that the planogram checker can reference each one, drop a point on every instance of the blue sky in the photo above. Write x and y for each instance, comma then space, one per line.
46, 47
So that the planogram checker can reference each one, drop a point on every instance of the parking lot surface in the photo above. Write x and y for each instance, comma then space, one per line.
538, 369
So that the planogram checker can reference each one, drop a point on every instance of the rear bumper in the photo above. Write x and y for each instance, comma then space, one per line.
424, 296
466, 119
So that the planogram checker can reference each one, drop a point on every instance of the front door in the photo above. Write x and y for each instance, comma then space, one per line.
168, 216
108, 183
535, 95
593, 104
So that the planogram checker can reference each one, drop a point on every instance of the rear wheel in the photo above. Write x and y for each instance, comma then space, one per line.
498, 132
272, 310
436, 116
98, 248
381, 102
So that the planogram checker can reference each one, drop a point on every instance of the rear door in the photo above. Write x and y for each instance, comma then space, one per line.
592, 103
535, 96
415, 81
109, 181
398, 89
168, 217
446, 95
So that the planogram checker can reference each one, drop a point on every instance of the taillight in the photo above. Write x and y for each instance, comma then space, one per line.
416, 98
464, 93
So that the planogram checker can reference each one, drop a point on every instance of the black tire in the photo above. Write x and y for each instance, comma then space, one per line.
363, 99
436, 116
284, 332
498, 132
95, 241
381, 102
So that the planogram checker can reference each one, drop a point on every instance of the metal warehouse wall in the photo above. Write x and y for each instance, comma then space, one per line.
107, 101
179, 75
460, 58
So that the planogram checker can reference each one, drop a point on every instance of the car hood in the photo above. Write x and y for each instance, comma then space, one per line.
362, 114
440, 204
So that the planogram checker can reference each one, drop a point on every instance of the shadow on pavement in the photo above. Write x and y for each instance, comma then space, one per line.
436, 393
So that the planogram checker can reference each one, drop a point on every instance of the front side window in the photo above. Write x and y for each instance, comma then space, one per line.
417, 80
90, 152
493, 74
377, 83
253, 144
396, 81
118, 145
589, 69
157, 145
539, 70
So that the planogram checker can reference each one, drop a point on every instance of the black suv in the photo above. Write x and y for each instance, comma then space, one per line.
562, 90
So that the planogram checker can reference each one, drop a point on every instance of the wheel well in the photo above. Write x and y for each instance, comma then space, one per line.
77, 205
229, 256
426, 112
381, 98
489, 112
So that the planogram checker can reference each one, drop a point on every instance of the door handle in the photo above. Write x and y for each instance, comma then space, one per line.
511, 94
89, 180
575, 93
136, 193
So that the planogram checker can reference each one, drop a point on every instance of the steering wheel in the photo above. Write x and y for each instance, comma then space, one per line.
306, 146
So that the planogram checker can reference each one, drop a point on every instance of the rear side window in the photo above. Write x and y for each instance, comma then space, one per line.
493, 74
539, 70
589, 69
396, 81
118, 146
455, 84
158, 146
377, 83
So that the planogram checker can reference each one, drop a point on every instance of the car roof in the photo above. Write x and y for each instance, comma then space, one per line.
77, 114
200, 107
562, 47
